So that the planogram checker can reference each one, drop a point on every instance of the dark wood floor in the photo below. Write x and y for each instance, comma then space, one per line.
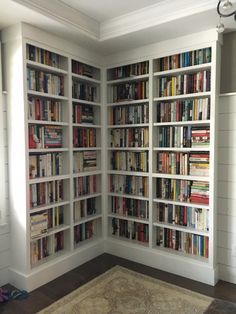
49, 293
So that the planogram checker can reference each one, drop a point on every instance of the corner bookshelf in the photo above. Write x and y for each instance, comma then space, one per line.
128, 152
182, 152
55, 175
87, 174
178, 207
48, 154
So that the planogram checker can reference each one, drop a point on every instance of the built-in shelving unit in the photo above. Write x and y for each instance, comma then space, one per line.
113, 154
174, 163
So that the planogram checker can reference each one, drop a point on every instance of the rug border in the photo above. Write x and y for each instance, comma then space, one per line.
127, 270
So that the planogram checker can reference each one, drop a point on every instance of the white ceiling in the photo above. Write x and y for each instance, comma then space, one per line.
109, 26
103, 10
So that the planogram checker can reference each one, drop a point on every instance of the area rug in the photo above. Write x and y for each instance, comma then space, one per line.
122, 291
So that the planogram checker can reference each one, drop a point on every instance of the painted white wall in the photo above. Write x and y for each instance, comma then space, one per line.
227, 188
4, 219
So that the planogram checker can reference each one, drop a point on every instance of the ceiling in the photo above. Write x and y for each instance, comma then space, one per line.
108, 26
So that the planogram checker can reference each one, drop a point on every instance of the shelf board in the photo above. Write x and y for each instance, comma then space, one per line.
41, 66
93, 240
78, 149
45, 95
86, 102
47, 150
129, 218
142, 77
182, 177
130, 173
85, 78
137, 197
47, 179
129, 148
48, 206
84, 197
86, 219
129, 102
180, 123
182, 254
87, 125
43, 122
87, 173
160, 200
183, 149
49, 258
189, 69
119, 126
130, 241
181, 228
50, 232
184, 96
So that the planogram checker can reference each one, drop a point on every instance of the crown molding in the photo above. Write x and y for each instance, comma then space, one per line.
65, 14
160, 13
148, 17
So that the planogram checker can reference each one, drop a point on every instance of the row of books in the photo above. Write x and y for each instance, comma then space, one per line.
84, 91
129, 207
40, 249
131, 185
199, 164
129, 161
44, 220
43, 56
200, 192
45, 165
59, 241
197, 218
182, 241
129, 114
130, 229
84, 208
85, 185
184, 110
83, 113
129, 70
200, 136
184, 59
183, 163
45, 193
129, 91
45, 136
84, 231
84, 161
38, 224
183, 190
185, 84
46, 246
84, 137
183, 136
129, 137
82, 69
45, 82
44, 109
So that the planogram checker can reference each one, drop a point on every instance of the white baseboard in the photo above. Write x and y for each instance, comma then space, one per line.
57, 267
172, 263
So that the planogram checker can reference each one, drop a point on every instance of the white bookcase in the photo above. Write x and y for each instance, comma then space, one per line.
55, 174
181, 159
91, 172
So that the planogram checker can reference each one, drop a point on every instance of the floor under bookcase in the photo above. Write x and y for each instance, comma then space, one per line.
56, 289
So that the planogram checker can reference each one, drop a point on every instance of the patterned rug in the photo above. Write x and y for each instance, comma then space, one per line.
122, 291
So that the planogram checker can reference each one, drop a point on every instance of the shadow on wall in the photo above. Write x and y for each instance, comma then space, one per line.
228, 64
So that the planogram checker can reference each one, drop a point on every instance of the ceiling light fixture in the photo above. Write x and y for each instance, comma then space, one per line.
223, 9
